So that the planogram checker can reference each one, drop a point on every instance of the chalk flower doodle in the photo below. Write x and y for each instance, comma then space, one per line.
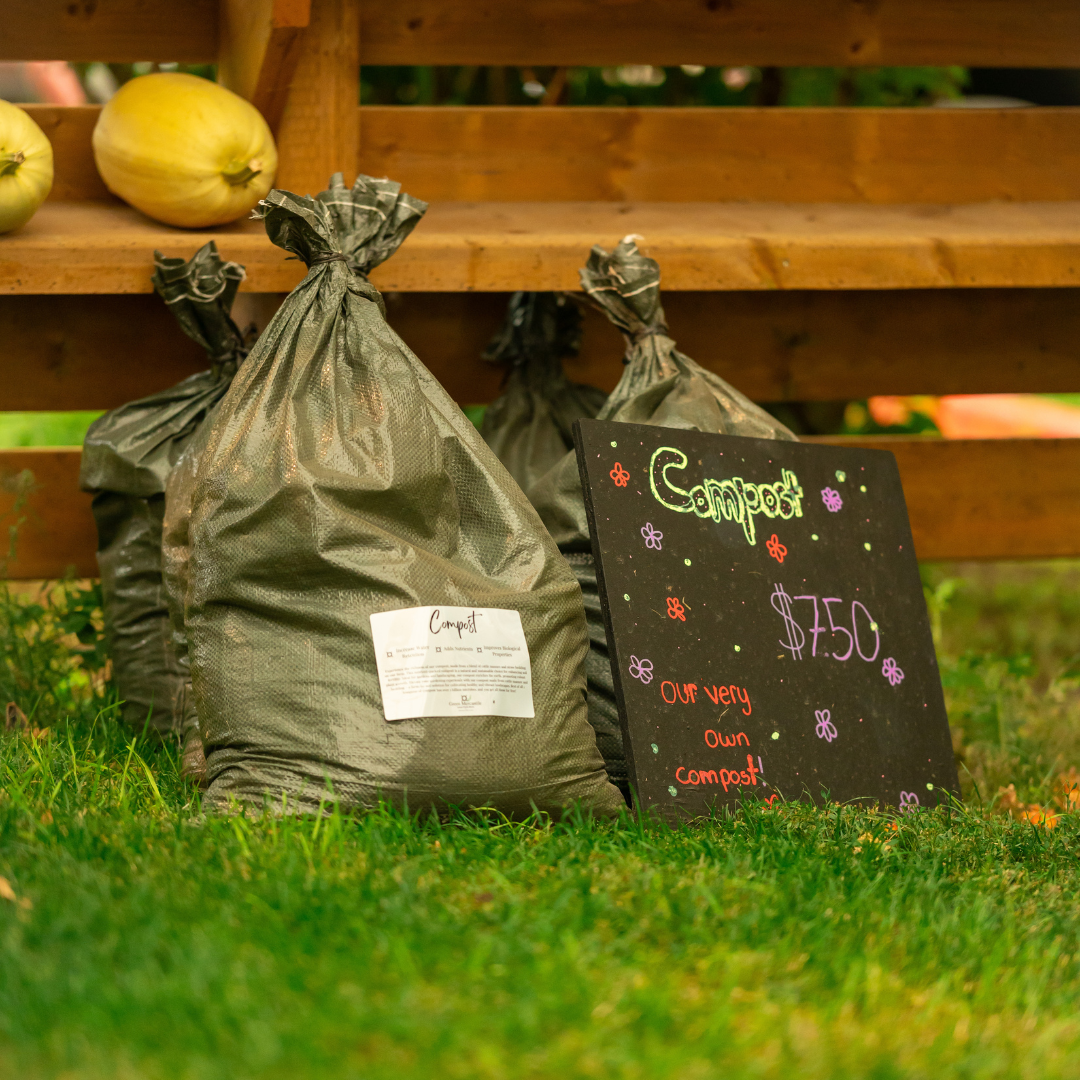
891, 672
619, 475
831, 498
825, 729
641, 669
909, 802
675, 609
652, 537
775, 548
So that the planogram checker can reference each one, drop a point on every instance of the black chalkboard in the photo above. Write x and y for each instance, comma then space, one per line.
765, 620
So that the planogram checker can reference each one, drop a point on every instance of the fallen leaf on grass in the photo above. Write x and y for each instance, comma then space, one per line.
1008, 802
8, 893
1038, 815
1067, 791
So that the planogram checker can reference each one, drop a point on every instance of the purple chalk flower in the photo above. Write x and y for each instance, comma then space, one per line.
825, 729
892, 672
831, 498
641, 669
652, 536
909, 802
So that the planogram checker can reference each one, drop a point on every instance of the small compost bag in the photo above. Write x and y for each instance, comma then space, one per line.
343, 500
659, 386
530, 425
127, 457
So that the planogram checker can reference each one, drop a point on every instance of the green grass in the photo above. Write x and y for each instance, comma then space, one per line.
148, 940
44, 428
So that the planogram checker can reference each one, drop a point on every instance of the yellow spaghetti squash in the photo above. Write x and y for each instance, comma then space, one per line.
184, 150
26, 167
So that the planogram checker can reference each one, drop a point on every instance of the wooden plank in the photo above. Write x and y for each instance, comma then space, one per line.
39, 491
834, 346
497, 247
988, 499
89, 352
260, 49
985, 499
784, 33
693, 155
717, 155
96, 352
107, 247
115, 31
70, 129
798, 346
320, 133
994, 33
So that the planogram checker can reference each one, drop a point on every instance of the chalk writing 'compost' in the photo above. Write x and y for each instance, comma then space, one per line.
733, 499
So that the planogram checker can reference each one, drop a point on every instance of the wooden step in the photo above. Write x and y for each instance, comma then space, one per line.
985, 499
96, 352
105, 247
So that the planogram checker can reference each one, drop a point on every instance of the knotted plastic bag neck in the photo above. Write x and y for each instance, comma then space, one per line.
325, 257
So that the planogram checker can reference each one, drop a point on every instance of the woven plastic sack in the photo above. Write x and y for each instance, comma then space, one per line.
530, 425
659, 386
341, 481
175, 555
127, 457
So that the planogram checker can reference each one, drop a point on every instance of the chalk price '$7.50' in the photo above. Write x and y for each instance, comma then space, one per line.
853, 642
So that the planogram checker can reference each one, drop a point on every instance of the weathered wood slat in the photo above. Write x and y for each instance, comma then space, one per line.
989, 499
96, 352
717, 155
260, 49
986, 33
319, 133
39, 491
89, 352
497, 247
975, 33
117, 31
69, 129
675, 155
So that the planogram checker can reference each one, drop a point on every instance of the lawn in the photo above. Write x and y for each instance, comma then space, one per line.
139, 938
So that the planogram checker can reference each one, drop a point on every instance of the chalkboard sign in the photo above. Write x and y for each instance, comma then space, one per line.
765, 620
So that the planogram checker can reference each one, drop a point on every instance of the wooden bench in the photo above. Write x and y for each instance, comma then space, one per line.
807, 254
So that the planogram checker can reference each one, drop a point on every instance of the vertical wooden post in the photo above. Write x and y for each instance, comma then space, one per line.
320, 130
259, 50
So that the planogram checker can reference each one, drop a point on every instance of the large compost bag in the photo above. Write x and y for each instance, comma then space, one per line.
659, 386
342, 487
175, 559
127, 457
530, 425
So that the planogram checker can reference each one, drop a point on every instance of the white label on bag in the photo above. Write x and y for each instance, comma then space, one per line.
452, 661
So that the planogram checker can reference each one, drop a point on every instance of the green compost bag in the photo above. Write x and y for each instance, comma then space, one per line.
659, 386
175, 556
530, 425
342, 491
127, 457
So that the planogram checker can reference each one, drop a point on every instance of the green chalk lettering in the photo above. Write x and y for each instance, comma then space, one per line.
733, 499
674, 498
